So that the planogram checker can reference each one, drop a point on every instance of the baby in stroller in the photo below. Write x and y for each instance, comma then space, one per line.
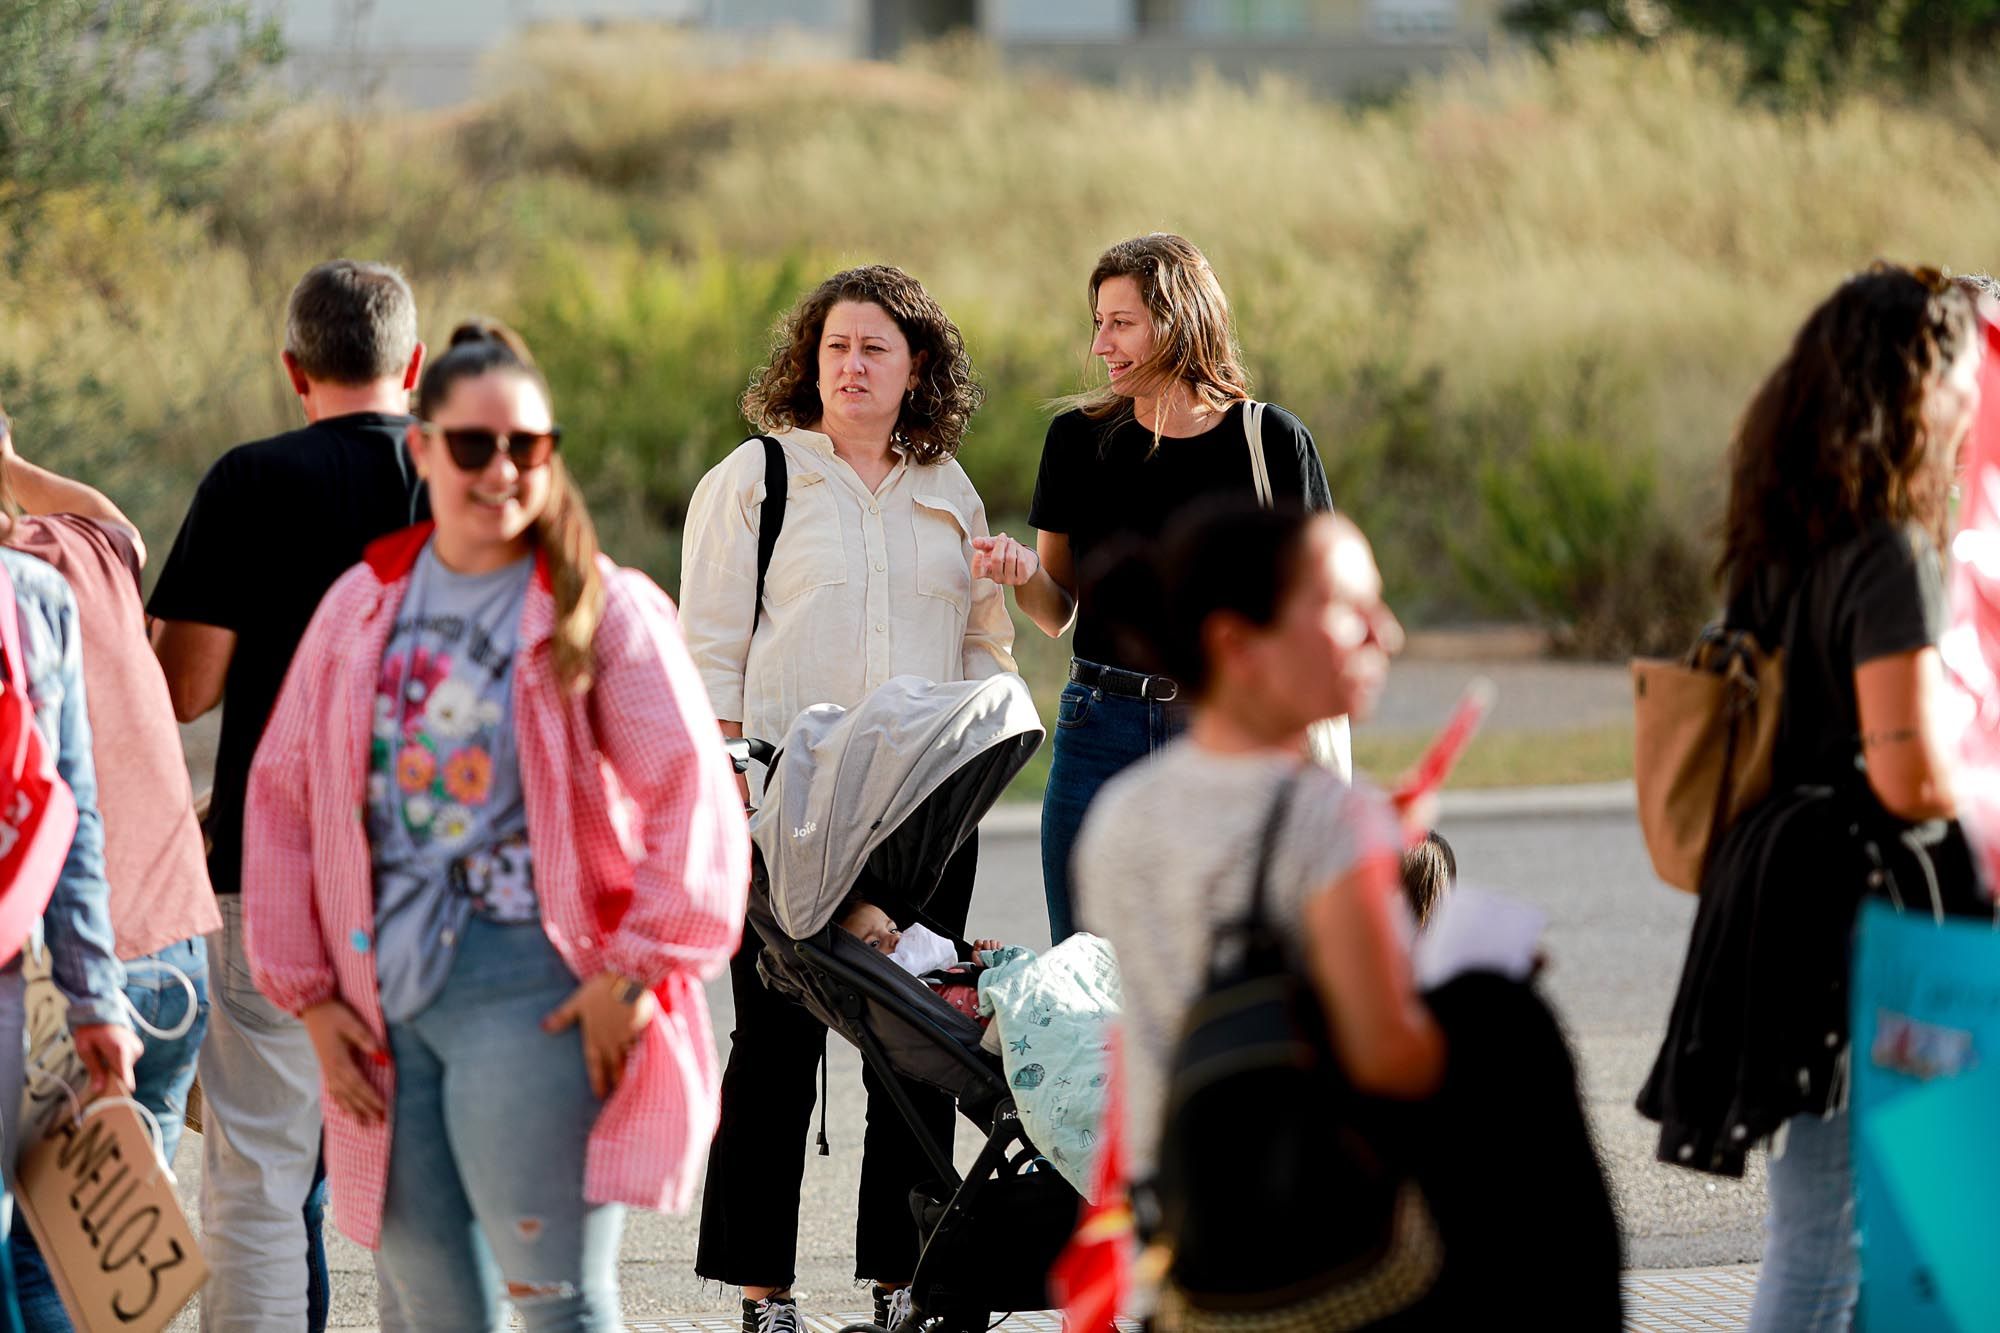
922, 952
1054, 1011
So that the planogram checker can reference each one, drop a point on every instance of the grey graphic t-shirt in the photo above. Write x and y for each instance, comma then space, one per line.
446, 821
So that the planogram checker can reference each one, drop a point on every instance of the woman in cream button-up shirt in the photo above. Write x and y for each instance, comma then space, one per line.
864, 583
868, 392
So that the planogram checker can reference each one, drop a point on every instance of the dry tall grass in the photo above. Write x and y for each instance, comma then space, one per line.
1532, 289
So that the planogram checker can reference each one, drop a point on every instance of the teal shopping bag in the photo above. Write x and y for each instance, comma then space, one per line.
1926, 1120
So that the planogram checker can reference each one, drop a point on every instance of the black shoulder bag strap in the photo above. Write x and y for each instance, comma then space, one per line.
771, 518
1262, 950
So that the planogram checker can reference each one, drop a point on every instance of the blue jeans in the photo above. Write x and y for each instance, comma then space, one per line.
1812, 1256
319, 1278
492, 1117
13, 1076
1097, 735
161, 1080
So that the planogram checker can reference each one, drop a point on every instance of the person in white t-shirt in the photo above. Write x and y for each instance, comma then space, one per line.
1270, 619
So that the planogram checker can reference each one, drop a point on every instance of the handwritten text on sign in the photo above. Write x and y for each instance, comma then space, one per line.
106, 1217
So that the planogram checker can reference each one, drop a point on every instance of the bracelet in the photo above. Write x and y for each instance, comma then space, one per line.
629, 991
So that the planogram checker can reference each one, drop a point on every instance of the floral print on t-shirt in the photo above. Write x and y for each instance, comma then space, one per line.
434, 734
440, 729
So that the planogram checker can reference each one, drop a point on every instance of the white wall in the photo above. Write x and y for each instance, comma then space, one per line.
457, 23
1057, 18
427, 52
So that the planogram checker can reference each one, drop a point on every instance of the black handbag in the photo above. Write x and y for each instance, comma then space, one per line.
1275, 1195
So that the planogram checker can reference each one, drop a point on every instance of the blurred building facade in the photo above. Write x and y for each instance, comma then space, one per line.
428, 52
1340, 47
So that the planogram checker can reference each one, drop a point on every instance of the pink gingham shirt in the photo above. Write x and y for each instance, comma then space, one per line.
641, 857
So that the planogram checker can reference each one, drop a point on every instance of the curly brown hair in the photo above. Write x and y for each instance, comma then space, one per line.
784, 394
1836, 438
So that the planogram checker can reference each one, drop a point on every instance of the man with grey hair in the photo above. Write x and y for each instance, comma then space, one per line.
273, 524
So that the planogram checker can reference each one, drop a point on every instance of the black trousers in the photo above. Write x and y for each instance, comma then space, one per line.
750, 1205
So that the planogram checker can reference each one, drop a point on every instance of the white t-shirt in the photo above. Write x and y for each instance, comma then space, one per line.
1167, 853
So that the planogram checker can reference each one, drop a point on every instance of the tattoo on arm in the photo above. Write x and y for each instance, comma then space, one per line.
1899, 736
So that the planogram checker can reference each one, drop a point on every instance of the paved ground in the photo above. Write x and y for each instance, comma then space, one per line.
1537, 695
1677, 1301
1534, 694
1614, 943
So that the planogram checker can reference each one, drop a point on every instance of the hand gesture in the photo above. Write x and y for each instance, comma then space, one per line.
611, 1023
342, 1041
108, 1052
1004, 560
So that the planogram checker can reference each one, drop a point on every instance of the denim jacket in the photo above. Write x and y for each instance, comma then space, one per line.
77, 924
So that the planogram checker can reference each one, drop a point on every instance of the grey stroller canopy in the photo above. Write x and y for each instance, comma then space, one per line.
891, 787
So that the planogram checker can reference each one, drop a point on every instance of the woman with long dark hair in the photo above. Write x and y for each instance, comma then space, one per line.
1840, 478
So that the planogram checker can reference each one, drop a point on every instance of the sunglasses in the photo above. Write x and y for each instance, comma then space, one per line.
472, 448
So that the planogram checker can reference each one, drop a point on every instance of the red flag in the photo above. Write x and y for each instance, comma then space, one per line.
1972, 645
1094, 1272
1435, 764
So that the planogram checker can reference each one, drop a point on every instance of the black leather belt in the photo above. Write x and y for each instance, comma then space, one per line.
1125, 684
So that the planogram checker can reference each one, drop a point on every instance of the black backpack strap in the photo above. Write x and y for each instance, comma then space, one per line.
1250, 940
771, 518
1267, 848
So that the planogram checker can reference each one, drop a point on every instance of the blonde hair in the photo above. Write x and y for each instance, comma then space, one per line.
1193, 343
563, 530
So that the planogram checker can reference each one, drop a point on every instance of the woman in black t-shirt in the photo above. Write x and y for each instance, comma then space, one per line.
1169, 427
1840, 477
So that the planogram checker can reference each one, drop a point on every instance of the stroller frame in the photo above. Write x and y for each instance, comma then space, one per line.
840, 994
938, 755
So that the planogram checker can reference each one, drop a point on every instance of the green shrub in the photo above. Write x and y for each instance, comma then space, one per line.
1575, 537
1526, 295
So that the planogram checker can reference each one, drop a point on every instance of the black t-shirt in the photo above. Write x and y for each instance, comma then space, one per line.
1872, 596
1103, 481
273, 524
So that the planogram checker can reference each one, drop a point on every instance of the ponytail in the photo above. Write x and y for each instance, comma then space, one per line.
569, 543
567, 537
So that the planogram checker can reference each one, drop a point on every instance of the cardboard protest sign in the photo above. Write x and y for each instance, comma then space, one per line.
1926, 1061
101, 1204
94, 1191
54, 1067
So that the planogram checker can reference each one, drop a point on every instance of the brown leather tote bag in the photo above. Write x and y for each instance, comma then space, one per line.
1706, 727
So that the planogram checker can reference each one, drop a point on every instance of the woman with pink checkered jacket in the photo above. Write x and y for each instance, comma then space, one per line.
492, 852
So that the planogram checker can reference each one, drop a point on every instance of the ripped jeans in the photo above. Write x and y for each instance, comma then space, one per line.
492, 1115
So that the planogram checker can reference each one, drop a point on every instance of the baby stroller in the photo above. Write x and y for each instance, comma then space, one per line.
886, 792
